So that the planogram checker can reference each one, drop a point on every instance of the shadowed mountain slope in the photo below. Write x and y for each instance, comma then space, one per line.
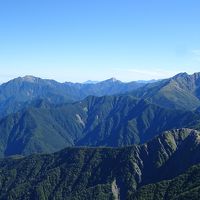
96, 121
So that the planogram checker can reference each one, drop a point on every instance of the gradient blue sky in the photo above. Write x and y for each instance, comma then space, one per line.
77, 40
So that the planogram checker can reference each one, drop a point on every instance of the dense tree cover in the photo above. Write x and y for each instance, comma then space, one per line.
183, 187
40, 116
118, 120
95, 121
106, 173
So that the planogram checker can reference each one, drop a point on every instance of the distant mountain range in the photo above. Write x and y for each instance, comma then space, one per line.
179, 92
135, 172
19, 92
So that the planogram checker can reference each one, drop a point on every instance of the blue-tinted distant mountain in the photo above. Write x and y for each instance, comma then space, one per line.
179, 92
17, 92
90, 82
107, 87
114, 79
149, 81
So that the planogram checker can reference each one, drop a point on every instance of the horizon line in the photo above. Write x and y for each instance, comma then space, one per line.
90, 81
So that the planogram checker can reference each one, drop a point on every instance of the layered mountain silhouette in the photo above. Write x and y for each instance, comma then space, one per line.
179, 92
95, 121
104, 140
20, 92
134, 172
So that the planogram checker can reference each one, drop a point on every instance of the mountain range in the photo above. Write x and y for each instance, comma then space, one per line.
100, 140
95, 121
179, 92
19, 92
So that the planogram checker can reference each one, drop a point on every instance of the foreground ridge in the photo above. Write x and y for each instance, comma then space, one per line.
103, 173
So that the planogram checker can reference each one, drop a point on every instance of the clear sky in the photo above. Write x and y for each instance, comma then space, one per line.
77, 40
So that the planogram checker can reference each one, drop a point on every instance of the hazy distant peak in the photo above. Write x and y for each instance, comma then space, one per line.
29, 78
180, 75
90, 82
111, 80
148, 81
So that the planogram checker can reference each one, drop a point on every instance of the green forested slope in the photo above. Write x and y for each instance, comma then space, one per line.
95, 121
105, 173
183, 187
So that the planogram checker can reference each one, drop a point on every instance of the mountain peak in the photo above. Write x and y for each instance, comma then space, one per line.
196, 75
181, 75
29, 78
189, 77
112, 80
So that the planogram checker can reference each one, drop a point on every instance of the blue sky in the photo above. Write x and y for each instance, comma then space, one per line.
76, 40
